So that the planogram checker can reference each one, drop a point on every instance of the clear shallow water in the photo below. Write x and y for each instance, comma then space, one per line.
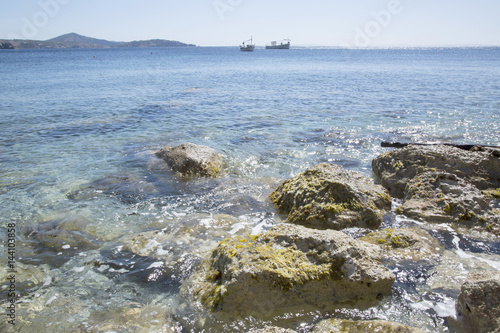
79, 129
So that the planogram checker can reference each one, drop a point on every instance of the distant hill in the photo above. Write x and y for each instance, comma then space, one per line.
75, 41
73, 38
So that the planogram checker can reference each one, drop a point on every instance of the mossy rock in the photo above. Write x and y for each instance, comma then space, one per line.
442, 197
396, 168
330, 197
406, 244
289, 267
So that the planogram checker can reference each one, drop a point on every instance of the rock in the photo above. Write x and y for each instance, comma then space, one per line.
290, 267
329, 197
398, 167
440, 197
27, 278
127, 188
351, 326
192, 160
146, 318
160, 244
406, 244
479, 303
273, 329
65, 234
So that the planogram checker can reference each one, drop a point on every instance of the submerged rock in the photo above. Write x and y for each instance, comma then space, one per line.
147, 318
273, 329
127, 188
479, 303
69, 234
27, 277
290, 267
398, 167
192, 160
406, 244
330, 197
351, 326
440, 197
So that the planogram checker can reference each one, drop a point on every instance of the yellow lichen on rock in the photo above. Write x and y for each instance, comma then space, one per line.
406, 243
289, 266
328, 197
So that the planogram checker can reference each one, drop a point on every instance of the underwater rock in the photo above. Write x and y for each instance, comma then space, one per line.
273, 329
192, 160
398, 167
164, 243
290, 267
479, 303
147, 318
351, 326
440, 197
406, 244
27, 277
67, 234
127, 188
330, 197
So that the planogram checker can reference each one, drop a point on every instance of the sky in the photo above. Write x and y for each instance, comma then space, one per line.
345, 23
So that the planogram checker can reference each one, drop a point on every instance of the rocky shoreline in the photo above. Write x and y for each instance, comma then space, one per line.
292, 266
332, 251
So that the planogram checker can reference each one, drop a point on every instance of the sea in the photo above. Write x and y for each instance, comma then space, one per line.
106, 235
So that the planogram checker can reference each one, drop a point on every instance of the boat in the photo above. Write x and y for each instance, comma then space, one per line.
248, 47
283, 45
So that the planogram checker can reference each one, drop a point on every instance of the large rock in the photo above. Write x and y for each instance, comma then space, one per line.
440, 197
410, 244
290, 267
479, 303
330, 197
192, 160
398, 167
351, 326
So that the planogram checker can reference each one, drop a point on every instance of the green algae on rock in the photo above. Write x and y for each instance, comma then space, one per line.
330, 197
290, 267
192, 160
396, 168
406, 244
441, 197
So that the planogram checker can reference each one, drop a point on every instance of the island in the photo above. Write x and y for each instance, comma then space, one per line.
76, 41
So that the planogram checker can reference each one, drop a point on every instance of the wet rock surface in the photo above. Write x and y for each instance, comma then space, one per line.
288, 267
398, 167
441, 197
351, 326
330, 197
443, 184
478, 304
63, 234
273, 330
192, 160
406, 244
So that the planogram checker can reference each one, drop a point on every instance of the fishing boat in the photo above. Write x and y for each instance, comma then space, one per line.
248, 47
283, 45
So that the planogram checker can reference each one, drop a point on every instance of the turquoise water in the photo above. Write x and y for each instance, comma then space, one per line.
79, 129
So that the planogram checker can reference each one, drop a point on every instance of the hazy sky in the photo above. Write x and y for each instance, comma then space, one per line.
228, 22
